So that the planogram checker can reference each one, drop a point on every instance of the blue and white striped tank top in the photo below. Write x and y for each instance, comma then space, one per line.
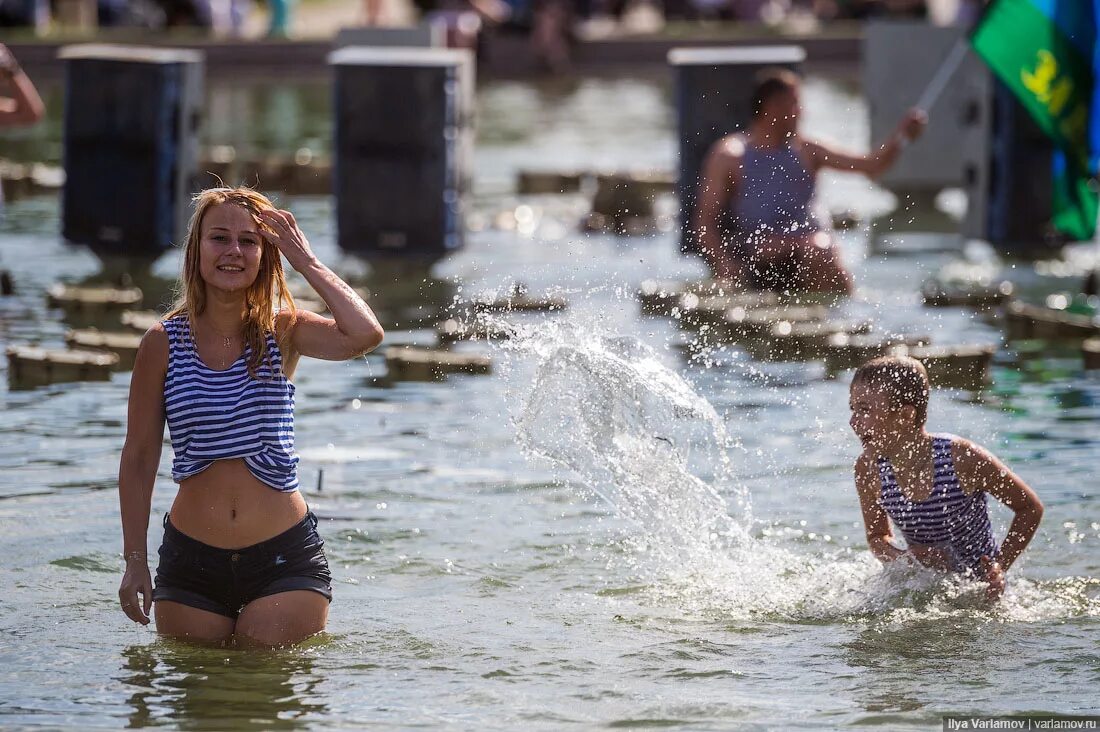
219, 415
948, 519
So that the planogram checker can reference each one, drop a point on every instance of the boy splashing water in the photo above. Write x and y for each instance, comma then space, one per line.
932, 486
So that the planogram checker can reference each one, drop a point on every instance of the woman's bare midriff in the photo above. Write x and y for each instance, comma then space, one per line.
227, 507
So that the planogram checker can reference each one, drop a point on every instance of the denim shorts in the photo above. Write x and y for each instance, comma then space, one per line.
223, 581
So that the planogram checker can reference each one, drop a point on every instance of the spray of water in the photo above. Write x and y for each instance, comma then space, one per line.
607, 409
636, 433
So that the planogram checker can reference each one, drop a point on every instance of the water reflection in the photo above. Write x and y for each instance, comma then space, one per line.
404, 293
255, 118
217, 689
270, 118
226, 107
900, 657
906, 658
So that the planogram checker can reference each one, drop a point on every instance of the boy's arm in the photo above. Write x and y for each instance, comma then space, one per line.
874, 518
979, 470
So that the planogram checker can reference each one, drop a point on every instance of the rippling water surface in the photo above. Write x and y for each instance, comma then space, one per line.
603, 533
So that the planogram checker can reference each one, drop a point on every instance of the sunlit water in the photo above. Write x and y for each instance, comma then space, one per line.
604, 533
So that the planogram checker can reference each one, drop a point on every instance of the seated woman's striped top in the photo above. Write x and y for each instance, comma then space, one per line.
219, 415
948, 519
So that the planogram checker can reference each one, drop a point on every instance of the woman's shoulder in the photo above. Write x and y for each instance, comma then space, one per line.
172, 322
152, 353
730, 147
283, 326
284, 319
156, 336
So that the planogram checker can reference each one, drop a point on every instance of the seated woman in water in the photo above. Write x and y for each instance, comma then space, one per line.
756, 221
241, 556
932, 487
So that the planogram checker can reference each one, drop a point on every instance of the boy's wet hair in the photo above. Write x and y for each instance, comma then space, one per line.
903, 379
768, 83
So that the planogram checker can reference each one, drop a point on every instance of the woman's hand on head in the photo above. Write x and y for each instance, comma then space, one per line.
136, 581
283, 231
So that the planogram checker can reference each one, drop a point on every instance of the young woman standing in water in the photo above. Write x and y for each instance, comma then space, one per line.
241, 558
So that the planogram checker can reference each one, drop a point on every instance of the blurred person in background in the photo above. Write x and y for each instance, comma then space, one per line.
463, 21
20, 103
552, 34
25, 14
756, 219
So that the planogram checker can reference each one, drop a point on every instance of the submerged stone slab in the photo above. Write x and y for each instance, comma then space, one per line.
693, 309
802, 340
31, 179
123, 345
95, 299
627, 197
300, 174
140, 320
30, 366
452, 330
844, 351
1024, 321
538, 182
937, 295
740, 321
623, 202
521, 303
1090, 349
667, 297
959, 367
615, 190
408, 363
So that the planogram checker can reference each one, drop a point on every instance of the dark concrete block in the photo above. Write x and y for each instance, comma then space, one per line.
131, 146
402, 143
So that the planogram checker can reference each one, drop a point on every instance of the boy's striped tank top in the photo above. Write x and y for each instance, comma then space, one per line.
948, 519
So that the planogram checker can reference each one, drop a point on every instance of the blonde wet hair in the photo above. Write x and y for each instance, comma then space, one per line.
903, 380
266, 292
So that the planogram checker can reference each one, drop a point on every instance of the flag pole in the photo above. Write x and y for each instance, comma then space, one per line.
943, 75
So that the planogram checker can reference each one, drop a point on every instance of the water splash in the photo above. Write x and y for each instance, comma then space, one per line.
608, 409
